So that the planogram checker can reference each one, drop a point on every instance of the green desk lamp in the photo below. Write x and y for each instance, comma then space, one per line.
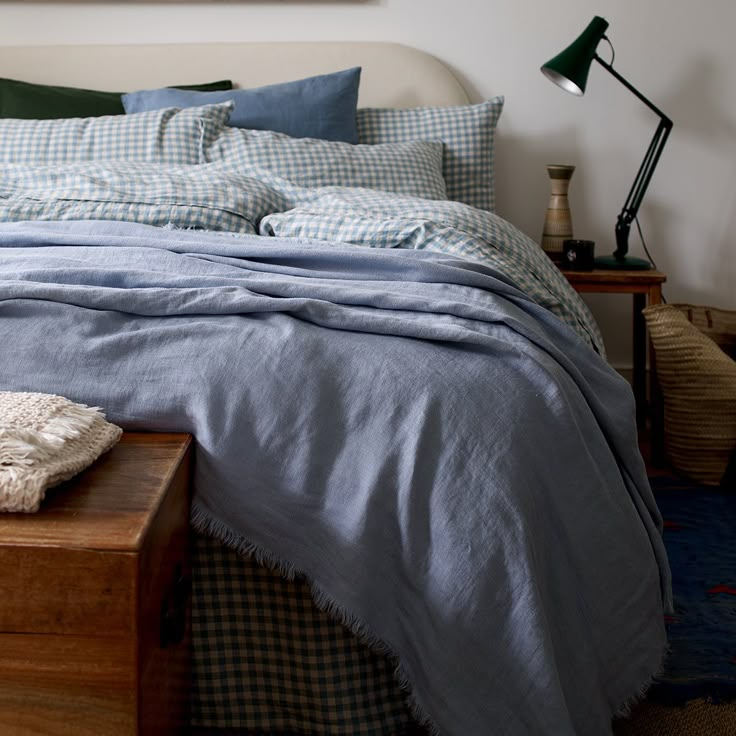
569, 70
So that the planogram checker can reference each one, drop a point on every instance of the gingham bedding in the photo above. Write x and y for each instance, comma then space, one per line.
205, 197
467, 132
369, 218
247, 197
413, 168
170, 136
266, 660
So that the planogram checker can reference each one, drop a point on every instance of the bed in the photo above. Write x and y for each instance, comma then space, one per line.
420, 435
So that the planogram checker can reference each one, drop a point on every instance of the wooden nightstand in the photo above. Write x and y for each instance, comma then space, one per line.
646, 288
94, 637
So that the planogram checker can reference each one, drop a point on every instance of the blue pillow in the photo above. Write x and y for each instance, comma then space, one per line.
317, 107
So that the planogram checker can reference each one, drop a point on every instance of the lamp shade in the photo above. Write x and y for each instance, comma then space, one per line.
569, 69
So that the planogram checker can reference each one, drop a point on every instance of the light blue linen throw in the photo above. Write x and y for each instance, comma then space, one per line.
450, 464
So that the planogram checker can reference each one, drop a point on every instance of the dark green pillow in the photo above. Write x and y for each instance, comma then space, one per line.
42, 101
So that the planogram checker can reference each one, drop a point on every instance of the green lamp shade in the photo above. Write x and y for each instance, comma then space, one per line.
569, 69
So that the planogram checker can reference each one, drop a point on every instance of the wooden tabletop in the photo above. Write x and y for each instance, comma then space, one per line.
614, 276
108, 506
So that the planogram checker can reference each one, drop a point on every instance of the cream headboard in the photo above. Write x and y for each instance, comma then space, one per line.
393, 75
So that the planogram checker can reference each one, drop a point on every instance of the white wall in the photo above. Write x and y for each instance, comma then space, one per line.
680, 53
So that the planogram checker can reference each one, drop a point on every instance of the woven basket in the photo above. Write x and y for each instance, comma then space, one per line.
718, 324
698, 382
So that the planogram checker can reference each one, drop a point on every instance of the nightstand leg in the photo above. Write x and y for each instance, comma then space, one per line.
640, 360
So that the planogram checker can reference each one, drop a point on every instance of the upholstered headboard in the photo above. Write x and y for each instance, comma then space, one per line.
393, 75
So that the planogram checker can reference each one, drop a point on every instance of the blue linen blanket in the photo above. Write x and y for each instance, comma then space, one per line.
454, 469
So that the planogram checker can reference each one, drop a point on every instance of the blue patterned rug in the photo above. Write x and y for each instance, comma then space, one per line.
700, 536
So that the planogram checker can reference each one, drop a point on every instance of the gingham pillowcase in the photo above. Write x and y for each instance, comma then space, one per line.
200, 196
169, 136
413, 168
467, 131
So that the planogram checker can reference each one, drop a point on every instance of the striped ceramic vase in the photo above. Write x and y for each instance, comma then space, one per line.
558, 220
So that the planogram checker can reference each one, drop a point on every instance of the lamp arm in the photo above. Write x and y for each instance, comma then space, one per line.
609, 68
639, 187
644, 175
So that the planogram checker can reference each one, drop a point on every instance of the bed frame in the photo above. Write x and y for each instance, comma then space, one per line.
423, 79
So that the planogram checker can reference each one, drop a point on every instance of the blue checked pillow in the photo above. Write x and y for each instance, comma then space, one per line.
413, 168
202, 197
170, 136
467, 131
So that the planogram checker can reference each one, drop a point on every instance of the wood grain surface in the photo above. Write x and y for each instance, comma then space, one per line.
614, 281
108, 506
67, 686
85, 584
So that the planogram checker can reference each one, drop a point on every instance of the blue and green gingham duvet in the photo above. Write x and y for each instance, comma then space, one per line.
430, 439
253, 199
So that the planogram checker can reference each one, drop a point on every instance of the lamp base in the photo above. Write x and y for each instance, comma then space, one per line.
627, 263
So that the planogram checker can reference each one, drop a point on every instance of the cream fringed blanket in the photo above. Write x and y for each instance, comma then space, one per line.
45, 440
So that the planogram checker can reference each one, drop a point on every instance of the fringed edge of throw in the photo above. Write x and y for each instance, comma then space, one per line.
27, 447
203, 523
627, 706
327, 603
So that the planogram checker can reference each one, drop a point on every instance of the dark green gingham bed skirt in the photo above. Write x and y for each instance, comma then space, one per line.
266, 660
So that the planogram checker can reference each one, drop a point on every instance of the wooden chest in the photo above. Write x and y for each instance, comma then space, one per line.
94, 595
